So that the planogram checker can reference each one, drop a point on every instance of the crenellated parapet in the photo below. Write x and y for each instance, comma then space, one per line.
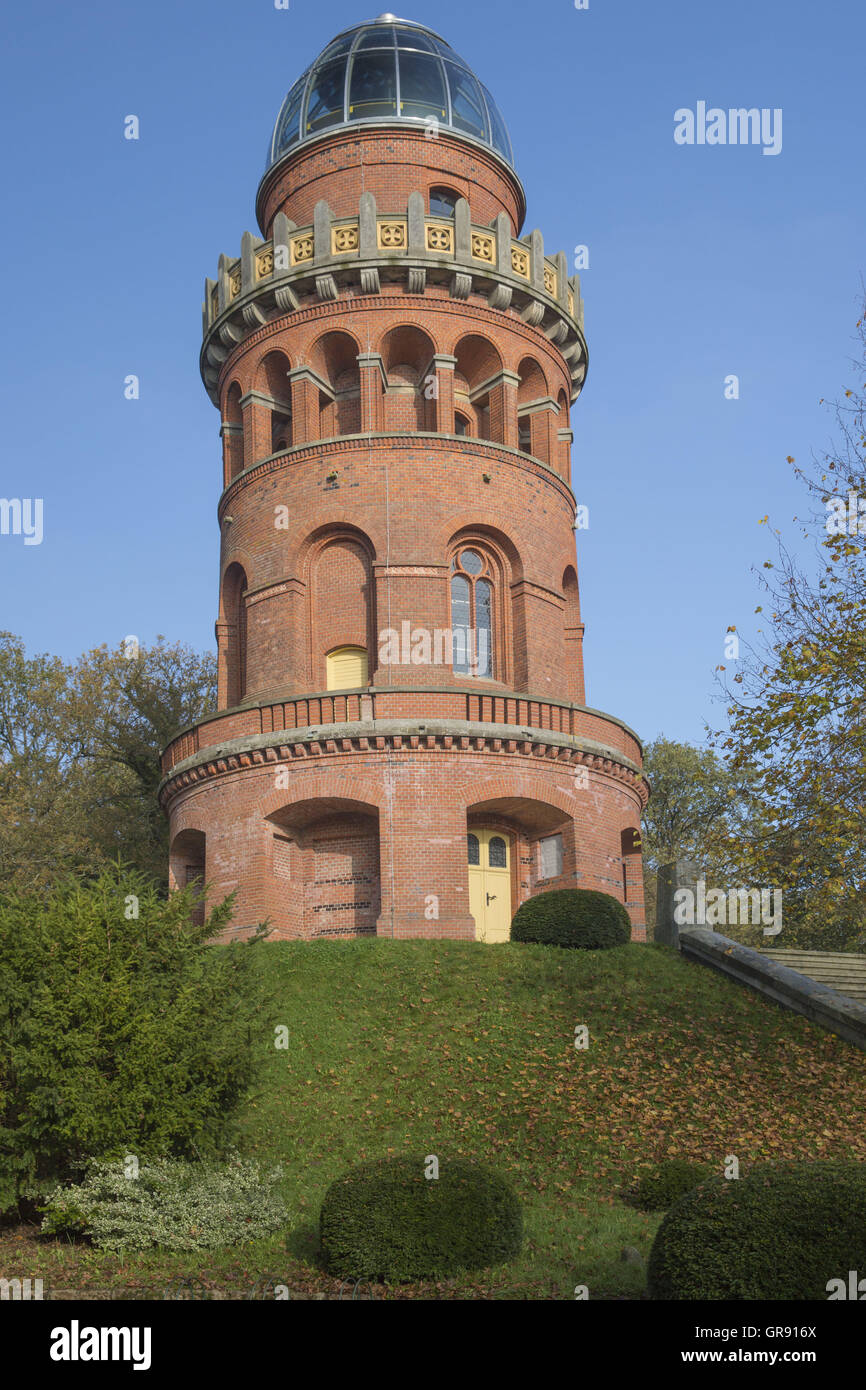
339, 256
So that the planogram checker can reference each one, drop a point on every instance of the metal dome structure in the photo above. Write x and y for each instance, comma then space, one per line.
393, 71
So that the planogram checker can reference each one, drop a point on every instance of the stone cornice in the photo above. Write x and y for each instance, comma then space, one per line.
397, 735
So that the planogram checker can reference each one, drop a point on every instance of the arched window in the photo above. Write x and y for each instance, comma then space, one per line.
187, 868
478, 384
341, 617
270, 406
472, 613
233, 434
443, 201
335, 358
497, 853
235, 614
473, 849
461, 425
407, 356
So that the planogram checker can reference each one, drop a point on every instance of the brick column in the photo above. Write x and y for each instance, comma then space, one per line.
428, 893
372, 374
233, 451
221, 632
564, 441
503, 409
542, 424
442, 415
257, 426
304, 386
574, 661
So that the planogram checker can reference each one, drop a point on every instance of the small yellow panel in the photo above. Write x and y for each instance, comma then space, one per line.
439, 238
392, 236
520, 262
345, 239
347, 668
484, 247
300, 249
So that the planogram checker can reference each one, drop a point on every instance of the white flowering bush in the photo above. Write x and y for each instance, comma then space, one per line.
171, 1204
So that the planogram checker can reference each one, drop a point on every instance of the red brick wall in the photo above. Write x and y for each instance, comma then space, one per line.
423, 798
390, 165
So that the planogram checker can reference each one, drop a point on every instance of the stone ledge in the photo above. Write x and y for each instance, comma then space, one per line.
820, 1004
372, 736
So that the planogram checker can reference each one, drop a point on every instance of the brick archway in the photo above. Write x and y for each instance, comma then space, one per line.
325, 878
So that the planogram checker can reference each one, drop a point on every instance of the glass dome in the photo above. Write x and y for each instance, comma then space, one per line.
389, 69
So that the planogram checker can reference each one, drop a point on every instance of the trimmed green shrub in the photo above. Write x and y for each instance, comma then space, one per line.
170, 1204
121, 1029
782, 1231
386, 1220
662, 1186
578, 917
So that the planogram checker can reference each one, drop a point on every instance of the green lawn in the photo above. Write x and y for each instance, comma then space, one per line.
458, 1049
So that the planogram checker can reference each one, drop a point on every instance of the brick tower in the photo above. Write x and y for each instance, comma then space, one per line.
402, 744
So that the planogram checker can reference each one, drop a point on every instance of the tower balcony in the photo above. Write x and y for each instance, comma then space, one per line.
302, 266
333, 722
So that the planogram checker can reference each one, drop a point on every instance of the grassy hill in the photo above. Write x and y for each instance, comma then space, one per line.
459, 1049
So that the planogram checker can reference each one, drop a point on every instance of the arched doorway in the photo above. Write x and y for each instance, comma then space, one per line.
488, 855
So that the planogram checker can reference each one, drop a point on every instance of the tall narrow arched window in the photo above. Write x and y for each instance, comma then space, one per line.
472, 613
234, 610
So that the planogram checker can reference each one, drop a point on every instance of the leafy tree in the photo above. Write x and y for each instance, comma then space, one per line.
797, 704
122, 710
121, 1032
79, 756
42, 779
692, 792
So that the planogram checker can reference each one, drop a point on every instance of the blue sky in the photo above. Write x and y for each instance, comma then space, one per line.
704, 261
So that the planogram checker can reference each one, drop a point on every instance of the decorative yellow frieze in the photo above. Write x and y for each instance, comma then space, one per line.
345, 239
235, 281
265, 263
214, 303
392, 236
440, 238
550, 281
301, 248
484, 247
520, 261
571, 302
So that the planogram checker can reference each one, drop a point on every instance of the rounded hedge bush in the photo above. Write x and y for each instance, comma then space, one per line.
782, 1231
386, 1220
662, 1186
578, 917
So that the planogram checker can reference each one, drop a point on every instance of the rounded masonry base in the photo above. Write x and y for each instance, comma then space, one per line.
359, 843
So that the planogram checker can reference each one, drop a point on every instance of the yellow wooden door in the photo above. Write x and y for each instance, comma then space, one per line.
347, 668
489, 884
